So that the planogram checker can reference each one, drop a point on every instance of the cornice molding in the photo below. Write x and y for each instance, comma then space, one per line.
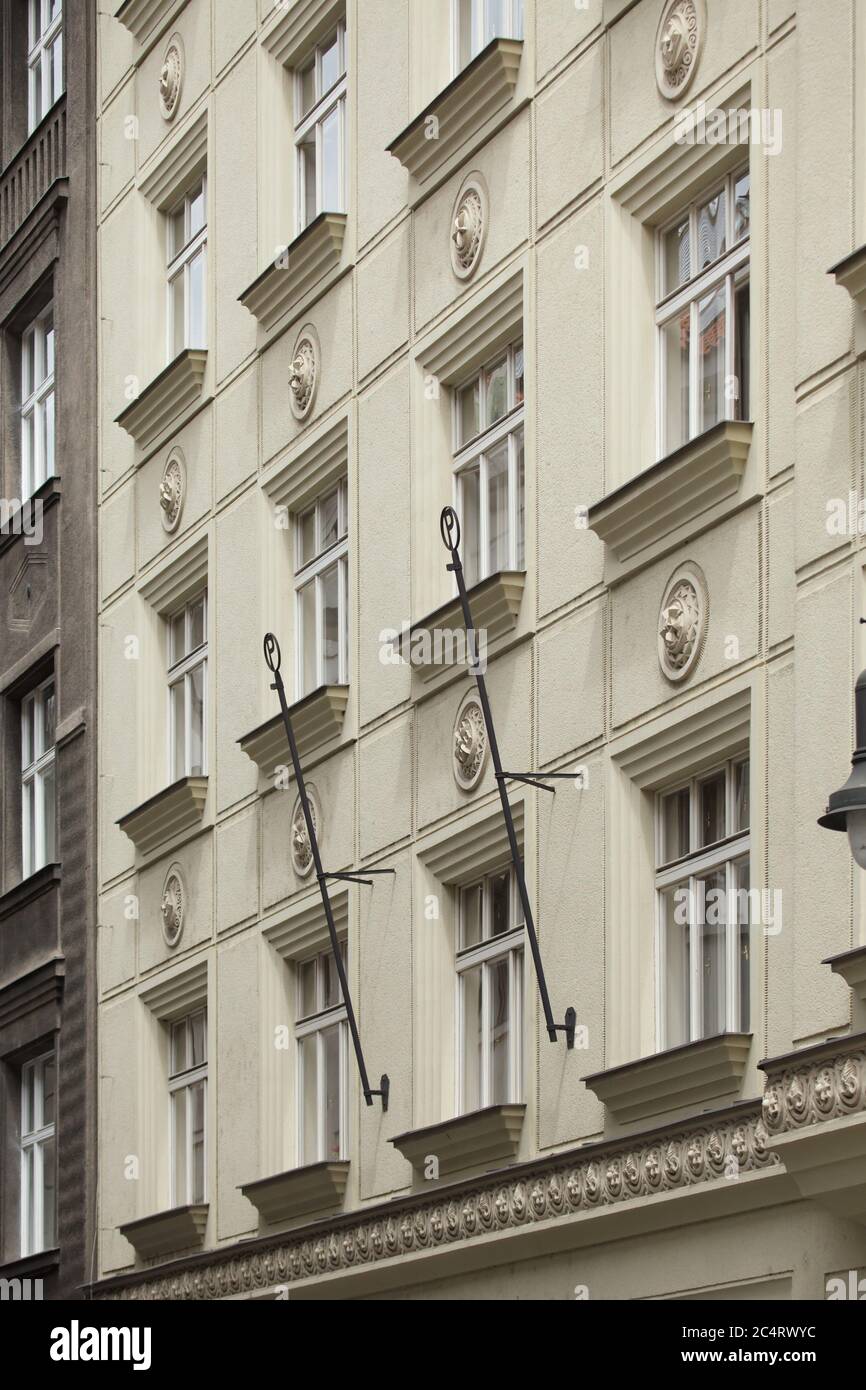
680, 1076
850, 273
495, 610
177, 387
165, 1232
298, 1192
300, 26
467, 1141
316, 720
173, 810
306, 262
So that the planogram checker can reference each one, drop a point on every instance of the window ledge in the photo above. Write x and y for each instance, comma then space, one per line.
483, 1137
140, 17
495, 605
688, 1075
851, 966
850, 273
177, 387
32, 1266
298, 1192
48, 494
166, 1232
299, 27
674, 491
29, 889
172, 810
316, 720
461, 109
307, 260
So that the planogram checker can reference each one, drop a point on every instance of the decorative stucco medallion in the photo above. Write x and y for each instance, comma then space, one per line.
683, 622
171, 78
173, 905
470, 744
469, 226
304, 373
679, 41
302, 853
172, 489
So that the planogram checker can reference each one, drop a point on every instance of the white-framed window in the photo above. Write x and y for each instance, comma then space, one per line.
38, 1156
320, 129
489, 963
489, 470
703, 906
702, 314
187, 690
37, 402
322, 1036
38, 779
44, 58
322, 592
187, 1093
187, 272
476, 23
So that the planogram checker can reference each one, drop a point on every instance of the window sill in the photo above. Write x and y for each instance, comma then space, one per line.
461, 110
167, 1232
47, 495
316, 720
142, 17
479, 1139
850, 273
675, 491
317, 1187
39, 1266
851, 967
495, 605
178, 386
29, 889
177, 808
299, 27
681, 1076
308, 260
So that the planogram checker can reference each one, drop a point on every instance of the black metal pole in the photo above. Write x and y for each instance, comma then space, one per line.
273, 658
449, 527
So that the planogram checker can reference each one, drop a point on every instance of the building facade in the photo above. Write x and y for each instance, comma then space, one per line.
48, 574
563, 267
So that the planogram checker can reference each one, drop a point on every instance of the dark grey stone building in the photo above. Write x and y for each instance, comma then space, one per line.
48, 567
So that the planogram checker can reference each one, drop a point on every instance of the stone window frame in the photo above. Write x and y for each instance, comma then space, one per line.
482, 33
689, 739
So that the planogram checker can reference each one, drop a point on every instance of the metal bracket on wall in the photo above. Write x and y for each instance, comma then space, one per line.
449, 527
273, 657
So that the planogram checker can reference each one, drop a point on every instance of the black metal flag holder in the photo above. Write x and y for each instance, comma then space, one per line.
273, 657
449, 527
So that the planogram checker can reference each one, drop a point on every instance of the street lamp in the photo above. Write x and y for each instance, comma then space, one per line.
846, 809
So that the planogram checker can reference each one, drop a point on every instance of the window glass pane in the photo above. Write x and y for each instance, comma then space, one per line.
48, 437
497, 24
30, 482
177, 306
500, 915
196, 721
57, 67
310, 672
676, 337
471, 915
469, 410
741, 796
673, 905
307, 88
197, 1098
197, 210
713, 359
470, 520
309, 1099
742, 206
49, 815
27, 712
49, 1194
177, 638
308, 179
179, 1047
28, 364
331, 1045
518, 374
470, 982
331, 626
29, 815
675, 825
197, 326
497, 517
48, 1074
495, 392
177, 231
178, 729
330, 982
742, 879
742, 346
468, 11
328, 521
711, 810
520, 547
330, 64
711, 909
48, 718
712, 230
196, 624
499, 1025
28, 1163
307, 537
197, 1029
677, 256
308, 988
48, 323
331, 199
179, 1123
28, 1100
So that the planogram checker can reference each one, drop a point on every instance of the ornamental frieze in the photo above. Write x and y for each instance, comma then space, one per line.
826, 1090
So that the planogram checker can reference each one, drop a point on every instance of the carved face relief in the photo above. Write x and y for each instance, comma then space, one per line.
302, 853
172, 489
682, 623
470, 744
303, 374
678, 45
173, 905
171, 78
469, 227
